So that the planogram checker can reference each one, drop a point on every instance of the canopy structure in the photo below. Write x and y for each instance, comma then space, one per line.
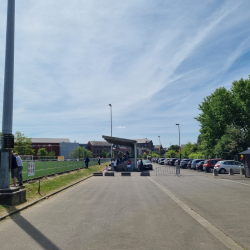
124, 142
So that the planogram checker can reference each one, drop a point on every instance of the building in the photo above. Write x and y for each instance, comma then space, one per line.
66, 148
96, 147
145, 143
50, 144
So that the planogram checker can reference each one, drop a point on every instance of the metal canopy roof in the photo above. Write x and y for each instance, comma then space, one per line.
119, 141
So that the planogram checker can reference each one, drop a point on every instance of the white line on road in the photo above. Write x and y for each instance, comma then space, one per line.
236, 182
223, 238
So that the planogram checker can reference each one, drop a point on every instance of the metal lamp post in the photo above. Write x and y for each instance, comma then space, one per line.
8, 94
111, 131
160, 144
179, 140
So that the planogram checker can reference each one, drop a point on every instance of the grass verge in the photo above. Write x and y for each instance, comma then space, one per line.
50, 185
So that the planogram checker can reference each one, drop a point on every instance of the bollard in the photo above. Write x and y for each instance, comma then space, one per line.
215, 172
230, 171
242, 171
178, 170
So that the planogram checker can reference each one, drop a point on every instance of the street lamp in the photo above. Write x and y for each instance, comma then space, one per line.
111, 130
160, 144
179, 140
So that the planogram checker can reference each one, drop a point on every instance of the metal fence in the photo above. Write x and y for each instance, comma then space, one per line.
50, 167
168, 170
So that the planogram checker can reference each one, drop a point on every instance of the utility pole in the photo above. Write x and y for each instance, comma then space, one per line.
7, 119
111, 132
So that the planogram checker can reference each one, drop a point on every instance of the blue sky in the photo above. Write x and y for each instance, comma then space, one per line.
153, 60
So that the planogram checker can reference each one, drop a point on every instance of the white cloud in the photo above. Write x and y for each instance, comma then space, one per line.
153, 60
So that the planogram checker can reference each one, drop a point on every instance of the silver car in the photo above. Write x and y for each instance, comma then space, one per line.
223, 166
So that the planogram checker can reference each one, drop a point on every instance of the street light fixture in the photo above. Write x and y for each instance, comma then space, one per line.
179, 140
111, 131
160, 144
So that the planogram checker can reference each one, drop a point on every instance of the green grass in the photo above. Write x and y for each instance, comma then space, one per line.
51, 184
48, 167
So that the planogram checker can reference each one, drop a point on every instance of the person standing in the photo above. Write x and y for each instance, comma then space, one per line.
86, 162
128, 165
141, 165
14, 168
115, 164
19, 169
99, 160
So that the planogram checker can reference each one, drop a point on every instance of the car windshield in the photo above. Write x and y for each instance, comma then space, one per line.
146, 161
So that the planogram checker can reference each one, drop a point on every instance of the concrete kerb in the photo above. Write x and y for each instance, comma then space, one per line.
43, 198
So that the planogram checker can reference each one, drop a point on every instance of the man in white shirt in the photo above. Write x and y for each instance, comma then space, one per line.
115, 164
19, 169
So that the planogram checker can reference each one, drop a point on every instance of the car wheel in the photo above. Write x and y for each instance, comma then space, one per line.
210, 170
222, 171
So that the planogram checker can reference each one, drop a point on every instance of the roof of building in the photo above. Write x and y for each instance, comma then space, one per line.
145, 140
246, 152
49, 140
99, 143
157, 146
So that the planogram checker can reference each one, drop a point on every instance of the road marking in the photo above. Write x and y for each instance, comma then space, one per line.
223, 238
235, 182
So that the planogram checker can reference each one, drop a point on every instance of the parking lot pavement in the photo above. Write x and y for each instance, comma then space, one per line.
108, 213
223, 201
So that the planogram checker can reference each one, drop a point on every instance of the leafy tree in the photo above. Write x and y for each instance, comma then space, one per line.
80, 152
217, 111
196, 155
23, 144
144, 156
104, 153
174, 147
42, 153
172, 154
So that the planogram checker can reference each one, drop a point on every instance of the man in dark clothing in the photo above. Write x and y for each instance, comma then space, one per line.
86, 162
141, 165
14, 169
99, 160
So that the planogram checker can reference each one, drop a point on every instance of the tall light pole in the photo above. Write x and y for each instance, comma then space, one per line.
160, 144
8, 95
111, 130
179, 140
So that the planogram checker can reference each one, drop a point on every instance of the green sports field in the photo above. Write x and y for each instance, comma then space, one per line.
49, 167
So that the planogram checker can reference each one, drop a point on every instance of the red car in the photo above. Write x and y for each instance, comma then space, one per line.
209, 164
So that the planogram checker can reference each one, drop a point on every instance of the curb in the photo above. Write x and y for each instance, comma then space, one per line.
43, 198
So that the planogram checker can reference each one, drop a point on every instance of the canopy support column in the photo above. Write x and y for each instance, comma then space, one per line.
135, 153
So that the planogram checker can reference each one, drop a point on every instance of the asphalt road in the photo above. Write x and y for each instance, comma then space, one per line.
193, 211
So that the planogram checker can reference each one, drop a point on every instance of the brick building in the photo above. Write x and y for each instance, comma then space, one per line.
50, 144
96, 147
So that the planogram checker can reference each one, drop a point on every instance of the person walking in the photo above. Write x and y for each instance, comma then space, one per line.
86, 162
19, 169
128, 165
141, 165
14, 168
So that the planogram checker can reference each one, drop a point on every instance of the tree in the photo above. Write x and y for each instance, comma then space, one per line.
104, 153
80, 152
174, 147
172, 154
23, 144
217, 111
144, 156
120, 154
42, 153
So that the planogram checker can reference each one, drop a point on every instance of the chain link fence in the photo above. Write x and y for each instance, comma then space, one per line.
50, 167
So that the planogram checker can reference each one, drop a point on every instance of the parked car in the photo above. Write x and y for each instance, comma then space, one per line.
189, 164
172, 161
209, 164
199, 165
194, 163
177, 162
166, 161
161, 161
146, 165
223, 166
184, 163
